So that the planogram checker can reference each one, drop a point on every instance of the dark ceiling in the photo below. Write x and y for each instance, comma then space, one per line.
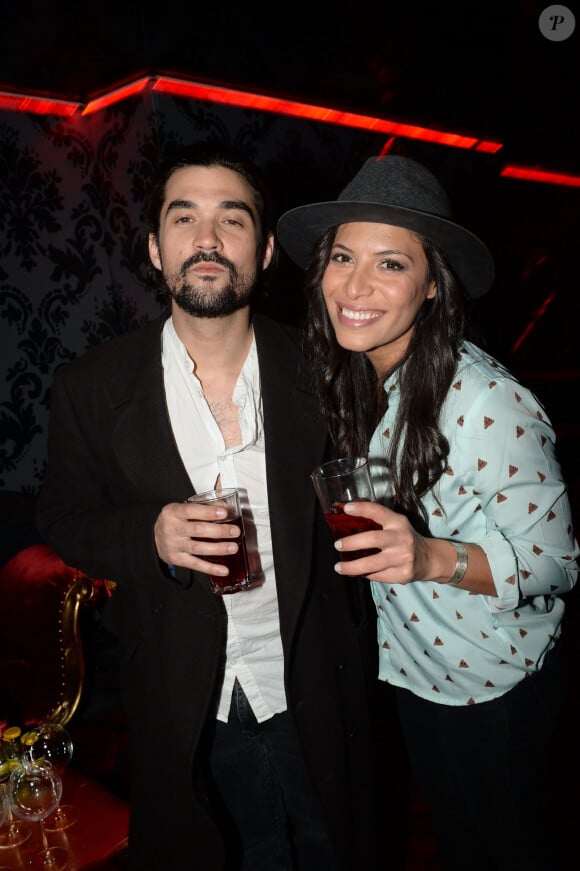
481, 68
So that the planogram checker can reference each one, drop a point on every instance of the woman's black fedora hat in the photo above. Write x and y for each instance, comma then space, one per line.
397, 190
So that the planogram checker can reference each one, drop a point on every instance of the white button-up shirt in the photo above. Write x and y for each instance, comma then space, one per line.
254, 647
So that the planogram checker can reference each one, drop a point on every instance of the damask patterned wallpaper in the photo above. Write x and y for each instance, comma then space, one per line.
71, 242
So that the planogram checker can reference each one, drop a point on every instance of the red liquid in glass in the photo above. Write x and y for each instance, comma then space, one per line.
237, 563
342, 524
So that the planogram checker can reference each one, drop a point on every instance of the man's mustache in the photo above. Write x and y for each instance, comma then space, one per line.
204, 257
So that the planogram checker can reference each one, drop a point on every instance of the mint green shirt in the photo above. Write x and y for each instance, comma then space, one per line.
502, 490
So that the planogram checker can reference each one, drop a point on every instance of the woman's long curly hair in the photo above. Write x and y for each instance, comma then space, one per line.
352, 397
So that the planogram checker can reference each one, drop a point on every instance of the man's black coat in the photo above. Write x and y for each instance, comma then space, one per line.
112, 464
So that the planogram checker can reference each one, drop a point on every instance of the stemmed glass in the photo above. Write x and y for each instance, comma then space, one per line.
3, 817
52, 742
13, 832
34, 792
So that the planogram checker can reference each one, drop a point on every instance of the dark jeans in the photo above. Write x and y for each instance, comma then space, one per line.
490, 773
270, 817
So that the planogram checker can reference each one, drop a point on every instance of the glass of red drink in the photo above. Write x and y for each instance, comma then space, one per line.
239, 577
337, 482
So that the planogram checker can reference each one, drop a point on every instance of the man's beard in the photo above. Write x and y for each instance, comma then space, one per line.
202, 301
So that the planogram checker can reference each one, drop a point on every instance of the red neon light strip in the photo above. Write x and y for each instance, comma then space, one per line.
488, 147
214, 94
537, 316
180, 87
116, 96
534, 174
37, 105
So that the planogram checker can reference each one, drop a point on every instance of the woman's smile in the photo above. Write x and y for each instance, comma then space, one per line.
357, 317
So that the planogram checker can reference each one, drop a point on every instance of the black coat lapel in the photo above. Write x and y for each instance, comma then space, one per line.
143, 438
295, 443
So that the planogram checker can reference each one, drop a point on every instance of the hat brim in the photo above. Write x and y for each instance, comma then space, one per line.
300, 228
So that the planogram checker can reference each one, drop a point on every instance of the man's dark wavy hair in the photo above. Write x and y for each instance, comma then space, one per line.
206, 154
352, 397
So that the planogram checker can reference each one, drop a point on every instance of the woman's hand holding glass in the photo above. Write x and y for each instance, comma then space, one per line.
400, 554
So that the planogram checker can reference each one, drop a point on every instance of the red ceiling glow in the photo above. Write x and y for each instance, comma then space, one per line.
217, 94
116, 95
535, 173
37, 105
488, 147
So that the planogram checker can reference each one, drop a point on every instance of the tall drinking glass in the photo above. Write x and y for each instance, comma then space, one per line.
338, 482
239, 577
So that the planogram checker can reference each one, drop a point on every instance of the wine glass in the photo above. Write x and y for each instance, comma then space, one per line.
52, 742
3, 817
34, 792
13, 832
